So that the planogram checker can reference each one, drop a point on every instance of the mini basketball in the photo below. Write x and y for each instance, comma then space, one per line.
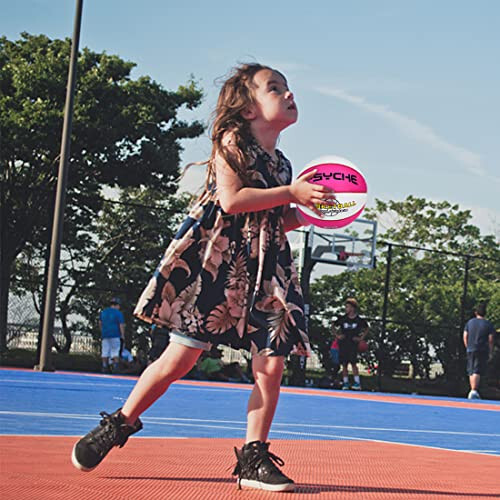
362, 346
350, 192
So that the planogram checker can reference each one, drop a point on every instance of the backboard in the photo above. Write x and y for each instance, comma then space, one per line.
352, 246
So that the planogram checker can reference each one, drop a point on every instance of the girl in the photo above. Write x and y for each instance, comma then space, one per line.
228, 276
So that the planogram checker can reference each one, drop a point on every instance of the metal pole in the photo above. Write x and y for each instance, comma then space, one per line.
384, 308
464, 296
57, 229
297, 364
3, 277
461, 353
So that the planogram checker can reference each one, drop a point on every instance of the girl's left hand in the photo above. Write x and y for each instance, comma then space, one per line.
309, 194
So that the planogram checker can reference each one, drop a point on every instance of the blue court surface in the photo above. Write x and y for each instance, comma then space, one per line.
68, 404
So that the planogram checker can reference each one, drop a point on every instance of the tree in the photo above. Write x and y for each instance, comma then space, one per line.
126, 134
131, 236
426, 288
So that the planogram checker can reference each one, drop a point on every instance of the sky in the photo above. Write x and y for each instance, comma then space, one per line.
406, 90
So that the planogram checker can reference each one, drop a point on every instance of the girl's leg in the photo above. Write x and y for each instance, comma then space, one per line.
174, 363
267, 372
256, 467
115, 429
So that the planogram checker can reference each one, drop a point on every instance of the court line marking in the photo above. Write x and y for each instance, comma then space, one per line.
424, 431
482, 451
311, 434
77, 436
403, 399
51, 382
314, 434
176, 421
124, 386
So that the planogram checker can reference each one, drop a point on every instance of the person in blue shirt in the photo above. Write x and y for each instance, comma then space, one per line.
112, 324
478, 340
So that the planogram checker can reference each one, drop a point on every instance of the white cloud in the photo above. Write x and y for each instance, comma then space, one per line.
412, 128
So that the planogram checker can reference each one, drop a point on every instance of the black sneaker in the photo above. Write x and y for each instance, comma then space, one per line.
94, 446
256, 468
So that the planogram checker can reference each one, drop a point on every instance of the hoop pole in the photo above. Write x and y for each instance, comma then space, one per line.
57, 229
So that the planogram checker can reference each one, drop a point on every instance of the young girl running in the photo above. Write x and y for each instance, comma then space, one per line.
228, 276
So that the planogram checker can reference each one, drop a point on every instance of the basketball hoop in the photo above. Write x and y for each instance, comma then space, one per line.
353, 248
354, 266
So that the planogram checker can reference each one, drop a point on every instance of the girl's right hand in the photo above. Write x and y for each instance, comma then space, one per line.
309, 194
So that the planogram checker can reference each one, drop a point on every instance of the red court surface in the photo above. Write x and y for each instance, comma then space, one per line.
34, 467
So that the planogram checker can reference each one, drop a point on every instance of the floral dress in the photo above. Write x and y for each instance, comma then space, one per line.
230, 279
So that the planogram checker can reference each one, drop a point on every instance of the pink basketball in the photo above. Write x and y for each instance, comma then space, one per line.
350, 192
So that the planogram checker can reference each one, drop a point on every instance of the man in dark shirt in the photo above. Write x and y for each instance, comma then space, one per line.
478, 340
349, 330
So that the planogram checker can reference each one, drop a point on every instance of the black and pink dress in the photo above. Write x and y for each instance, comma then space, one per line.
230, 279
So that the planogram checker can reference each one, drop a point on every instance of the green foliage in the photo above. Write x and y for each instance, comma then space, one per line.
425, 290
126, 137
130, 237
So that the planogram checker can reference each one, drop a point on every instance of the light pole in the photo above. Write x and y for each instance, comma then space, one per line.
58, 222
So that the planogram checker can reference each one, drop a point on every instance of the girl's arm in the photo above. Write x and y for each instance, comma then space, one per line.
293, 219
234, 198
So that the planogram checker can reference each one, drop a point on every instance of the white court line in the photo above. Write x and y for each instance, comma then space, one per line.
172, 420
311, 434
360, 397
290, 433
87, 384
482, 451
221, 389
76, 436
424, 431
48, 382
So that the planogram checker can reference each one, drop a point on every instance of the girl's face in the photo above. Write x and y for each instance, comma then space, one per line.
274, 104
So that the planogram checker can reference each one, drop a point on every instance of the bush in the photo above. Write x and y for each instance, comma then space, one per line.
23, 358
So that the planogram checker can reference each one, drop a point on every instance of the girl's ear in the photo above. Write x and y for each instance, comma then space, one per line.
249, 113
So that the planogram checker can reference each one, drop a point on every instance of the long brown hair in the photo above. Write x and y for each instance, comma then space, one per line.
235, 96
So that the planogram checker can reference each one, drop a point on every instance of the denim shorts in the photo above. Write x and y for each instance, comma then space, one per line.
180, 338
110, 347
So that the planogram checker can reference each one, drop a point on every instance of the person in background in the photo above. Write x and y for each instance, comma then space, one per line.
349, 330
112, 325
479, 338
213, 368
334, 356
160, 339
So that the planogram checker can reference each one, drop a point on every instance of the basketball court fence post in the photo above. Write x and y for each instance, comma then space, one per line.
384, 313
461, 347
